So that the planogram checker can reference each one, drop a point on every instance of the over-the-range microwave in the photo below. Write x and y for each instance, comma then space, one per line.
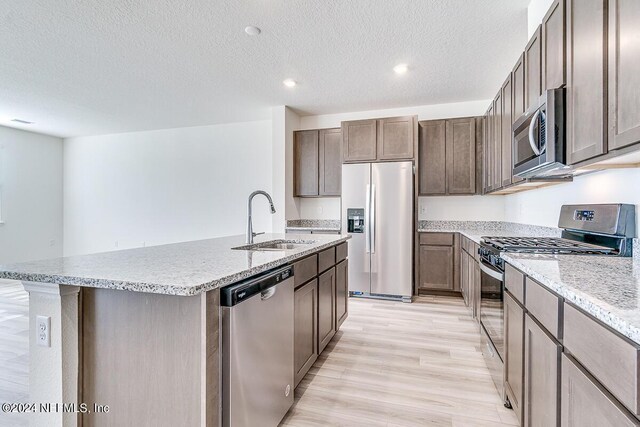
539, 139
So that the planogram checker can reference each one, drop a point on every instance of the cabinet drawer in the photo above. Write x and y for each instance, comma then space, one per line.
610, 358
514, 282
305, 270
436, 239
326, 259
544, 306
342, 251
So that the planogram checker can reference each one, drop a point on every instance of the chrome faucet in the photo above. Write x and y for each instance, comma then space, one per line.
250, 233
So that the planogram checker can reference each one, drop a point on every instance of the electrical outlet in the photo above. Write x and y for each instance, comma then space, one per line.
43, 331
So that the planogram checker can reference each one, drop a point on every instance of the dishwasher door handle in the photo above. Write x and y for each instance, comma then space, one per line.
268, 293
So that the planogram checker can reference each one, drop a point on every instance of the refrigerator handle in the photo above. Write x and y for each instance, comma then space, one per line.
367, 228
372, 221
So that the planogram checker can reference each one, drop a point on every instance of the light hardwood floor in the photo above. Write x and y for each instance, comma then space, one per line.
14, 349
395, 364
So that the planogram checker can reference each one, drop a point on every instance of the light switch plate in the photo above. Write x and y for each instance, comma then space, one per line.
43, 331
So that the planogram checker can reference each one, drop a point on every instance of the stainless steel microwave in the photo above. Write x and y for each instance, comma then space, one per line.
539, 139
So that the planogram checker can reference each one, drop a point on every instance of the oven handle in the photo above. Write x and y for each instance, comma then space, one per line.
491, 272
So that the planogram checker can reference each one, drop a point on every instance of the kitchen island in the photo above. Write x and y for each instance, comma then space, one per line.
138, 331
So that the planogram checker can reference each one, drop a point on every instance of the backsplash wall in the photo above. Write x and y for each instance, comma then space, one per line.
542, 206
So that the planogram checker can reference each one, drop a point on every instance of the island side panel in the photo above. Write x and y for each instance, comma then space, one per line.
150, 357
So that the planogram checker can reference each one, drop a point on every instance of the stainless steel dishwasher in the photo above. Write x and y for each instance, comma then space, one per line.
257, 349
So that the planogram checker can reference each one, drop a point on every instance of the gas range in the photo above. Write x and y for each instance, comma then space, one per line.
586, 230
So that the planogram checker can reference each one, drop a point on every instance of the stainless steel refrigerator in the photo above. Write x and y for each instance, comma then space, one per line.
377, 210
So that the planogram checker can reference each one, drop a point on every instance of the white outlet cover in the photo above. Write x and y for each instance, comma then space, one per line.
43, 331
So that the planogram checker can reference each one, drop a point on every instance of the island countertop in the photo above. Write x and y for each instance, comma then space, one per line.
183, 269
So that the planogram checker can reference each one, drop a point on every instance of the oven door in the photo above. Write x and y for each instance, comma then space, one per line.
492, 305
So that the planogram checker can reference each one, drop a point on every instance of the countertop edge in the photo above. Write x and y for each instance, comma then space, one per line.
154, 288
582, 300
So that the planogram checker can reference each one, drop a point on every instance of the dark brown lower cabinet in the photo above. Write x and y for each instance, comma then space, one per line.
436, 268
584, 402
465, 282
541, 376
514, 353
476, 290
305, 328
342, 292
326, 307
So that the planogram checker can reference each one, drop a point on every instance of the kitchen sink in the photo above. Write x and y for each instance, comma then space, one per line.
276, 245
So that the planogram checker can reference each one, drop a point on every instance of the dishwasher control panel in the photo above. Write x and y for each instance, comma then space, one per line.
241, 291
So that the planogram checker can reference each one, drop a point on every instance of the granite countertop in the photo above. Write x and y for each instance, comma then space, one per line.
608, 288
317, 225
474, 230
185, 269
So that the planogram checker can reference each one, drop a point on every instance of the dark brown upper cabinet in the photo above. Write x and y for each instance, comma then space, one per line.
432, 157
624, 73
395, 138
518, 89
447, 156
317, 163
488, 150
553, 47
378, 139
496, 143
305, 149
461, 156
586, 96
532, 71
506, 134
359, 140
330, 164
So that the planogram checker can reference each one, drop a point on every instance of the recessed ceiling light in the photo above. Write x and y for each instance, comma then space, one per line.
24, 122
252, 31
400, 68
289, 82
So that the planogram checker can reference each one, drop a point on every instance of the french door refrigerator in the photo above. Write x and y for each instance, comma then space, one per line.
377, 210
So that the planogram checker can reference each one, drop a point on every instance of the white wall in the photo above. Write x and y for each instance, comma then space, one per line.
542, 206
284, 122
30, 196
147, 188
452, 208
535, 12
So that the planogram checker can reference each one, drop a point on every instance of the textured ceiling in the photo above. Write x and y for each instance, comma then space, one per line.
82, 67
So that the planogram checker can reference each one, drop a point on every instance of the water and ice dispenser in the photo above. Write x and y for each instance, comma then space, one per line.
355, 220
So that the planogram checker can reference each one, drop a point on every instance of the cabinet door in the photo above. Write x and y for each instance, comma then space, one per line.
305, 148
497, 142
518, 89
461, 156
359, 141
506, 133
342, 292
326, 308
305, 339
476, 283
395, 138
533, 71
586, 85
432, 157
330, 164
488, 150
584, 402
541, 376
436, 267
464, 276
553, 47
624, 73
514, 353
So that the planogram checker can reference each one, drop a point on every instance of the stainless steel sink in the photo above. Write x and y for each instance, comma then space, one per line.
276, 245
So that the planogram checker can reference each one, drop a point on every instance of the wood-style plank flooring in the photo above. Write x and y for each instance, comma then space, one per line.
14, 349
395, 364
